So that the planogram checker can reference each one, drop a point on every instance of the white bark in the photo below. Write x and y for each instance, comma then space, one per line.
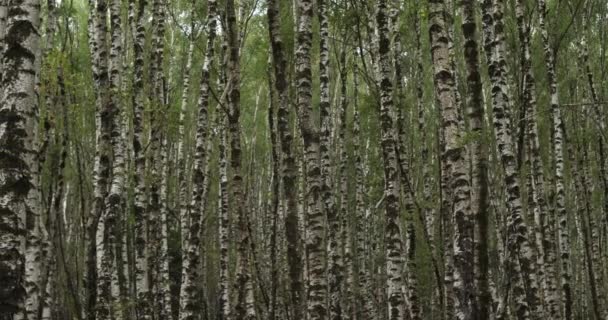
189, 304
142, 285
557, 139
19, 198
394, 245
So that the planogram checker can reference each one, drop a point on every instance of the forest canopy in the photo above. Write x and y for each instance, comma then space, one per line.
303, 159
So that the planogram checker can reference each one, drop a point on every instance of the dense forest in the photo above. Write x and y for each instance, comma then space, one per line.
303, 159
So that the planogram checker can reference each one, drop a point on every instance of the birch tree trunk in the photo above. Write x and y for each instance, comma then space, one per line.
544, 224
108, 298
454, 161
315, 255
274, 201
557, 139
595, 271
143, 309
479, 159
364, 305
288, 165
99, 284
348, 297
526, 296
19, 198
394, 246
595, 229
244, 308
189, 297
3, 20
224, 225
335, 269
182, 154
164, 290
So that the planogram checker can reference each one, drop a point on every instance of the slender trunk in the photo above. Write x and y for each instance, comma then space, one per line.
519, 250
412, 294
335, 269
143, 309
224, 223
363, 301
315, 255
109, 302
479, 159
544, 223
50, 257
426, 212
189, 294
19, 207
99, 294
394, 246
595, 229
288, 165
601, 123
3, 20
348, 298
164, 291
275, 199
156, 131
581, 182
557, 138
182, 154
244, 308
454, 161
404, 166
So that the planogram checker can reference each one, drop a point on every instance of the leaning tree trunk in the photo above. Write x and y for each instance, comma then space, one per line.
182, 154
19, 204
404, 167
454, 160
288, 165
557, 139
544, 223
601, 124
580, 177
189, 294
521, 260
315, 253
394, 246
596, 230
595, 263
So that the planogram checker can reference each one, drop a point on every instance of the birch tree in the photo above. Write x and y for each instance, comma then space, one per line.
244, 308
19, 206
316, 282
394, 246
453, 159
519, 248
558, 163
288, 165
189, 303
